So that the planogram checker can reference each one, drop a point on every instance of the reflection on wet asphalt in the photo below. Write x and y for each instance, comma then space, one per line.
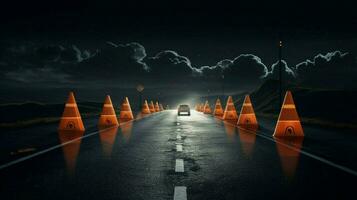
137, 160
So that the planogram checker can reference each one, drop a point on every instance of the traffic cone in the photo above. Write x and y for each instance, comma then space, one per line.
157, 107
247, 117
230, 112
71, 118
218, 110
288, 124
152, 107
125, 111
161, 108
145, 109
201, 107
108, 116
206, 108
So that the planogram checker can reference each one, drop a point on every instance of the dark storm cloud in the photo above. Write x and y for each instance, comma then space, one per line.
31, 63
246, 71
170, 68
125, 64
288, 73
333, 70
122, 63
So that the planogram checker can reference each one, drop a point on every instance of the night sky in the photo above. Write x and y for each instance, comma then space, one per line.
172, 46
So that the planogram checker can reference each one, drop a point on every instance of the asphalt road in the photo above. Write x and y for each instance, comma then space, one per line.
163, 156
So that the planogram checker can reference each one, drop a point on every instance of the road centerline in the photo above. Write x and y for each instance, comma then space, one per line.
180, 193
179, 167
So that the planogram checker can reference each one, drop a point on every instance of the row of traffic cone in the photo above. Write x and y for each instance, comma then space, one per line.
288, 124
71, 118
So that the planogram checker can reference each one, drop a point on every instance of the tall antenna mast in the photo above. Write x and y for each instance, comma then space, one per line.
280, 73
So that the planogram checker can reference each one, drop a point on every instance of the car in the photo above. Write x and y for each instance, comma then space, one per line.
183, 109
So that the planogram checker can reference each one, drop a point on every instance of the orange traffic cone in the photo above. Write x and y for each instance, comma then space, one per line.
71, 118
145, 109
218, 110
152, 107
230, 112
206, 108
161, 108
201, 107
247, 117
157, 107
108, 116
125, 111
289, 121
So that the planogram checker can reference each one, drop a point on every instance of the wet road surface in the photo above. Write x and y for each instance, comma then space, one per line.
165, 157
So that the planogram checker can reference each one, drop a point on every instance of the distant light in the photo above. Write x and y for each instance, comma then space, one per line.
280, 43
140, 88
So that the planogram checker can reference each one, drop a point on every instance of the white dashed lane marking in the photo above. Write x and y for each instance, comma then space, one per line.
179, 167
179, 147
180, 193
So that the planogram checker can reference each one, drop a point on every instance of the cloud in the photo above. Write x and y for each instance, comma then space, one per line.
333, 70
287, 75
116, 63
31, 63
128, 64
246, 70
169, 66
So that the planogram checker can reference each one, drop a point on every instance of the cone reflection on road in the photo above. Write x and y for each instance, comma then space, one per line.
108, 117
107, 138
157, 107
288, 124
70, 150
247, 138
247, 117
71, 118
218, 110
230, 130
145, 108
230, 112
152, 107
126, 130
125, 111
161, 107
289, 156
206, 108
